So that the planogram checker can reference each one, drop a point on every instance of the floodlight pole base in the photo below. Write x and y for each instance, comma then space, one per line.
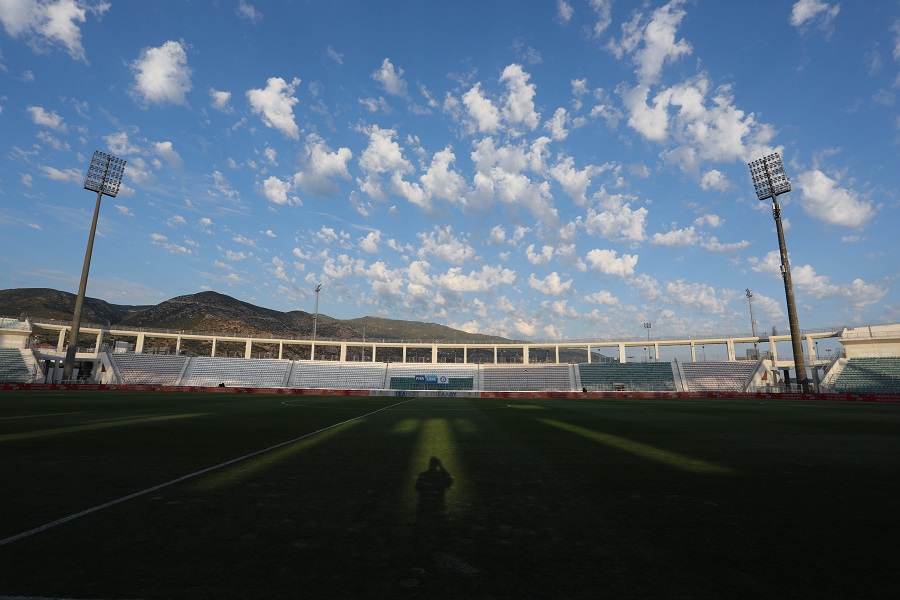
69, 365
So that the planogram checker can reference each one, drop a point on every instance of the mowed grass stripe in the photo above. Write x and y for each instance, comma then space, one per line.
667, 457
122, 422
183, 478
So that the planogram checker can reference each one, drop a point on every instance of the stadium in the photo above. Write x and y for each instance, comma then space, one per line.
355, 475
867, 362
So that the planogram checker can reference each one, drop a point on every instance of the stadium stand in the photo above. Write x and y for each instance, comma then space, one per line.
236, 372
337, 375
551, 378
714, 376
147, 369
869, 375
13, 368
599, 377
432, 377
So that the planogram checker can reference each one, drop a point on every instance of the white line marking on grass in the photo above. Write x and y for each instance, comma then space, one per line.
100, 507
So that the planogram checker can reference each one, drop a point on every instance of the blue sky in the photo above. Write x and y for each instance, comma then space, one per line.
568, 171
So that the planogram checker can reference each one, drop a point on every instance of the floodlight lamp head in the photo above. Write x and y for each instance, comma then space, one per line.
769, 178
105, 174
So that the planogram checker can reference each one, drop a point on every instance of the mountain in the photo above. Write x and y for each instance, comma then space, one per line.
45, 303
212, 311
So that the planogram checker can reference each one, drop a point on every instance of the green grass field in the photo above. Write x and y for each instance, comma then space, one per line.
550, 498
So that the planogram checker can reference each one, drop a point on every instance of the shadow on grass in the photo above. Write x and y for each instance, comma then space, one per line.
431, 486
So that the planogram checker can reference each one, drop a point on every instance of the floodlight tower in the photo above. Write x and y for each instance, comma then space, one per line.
315, 323
769, 180
647, 326
104, 177
752, 319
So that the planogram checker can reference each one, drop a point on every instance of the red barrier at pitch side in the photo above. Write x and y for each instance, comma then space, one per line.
534, 395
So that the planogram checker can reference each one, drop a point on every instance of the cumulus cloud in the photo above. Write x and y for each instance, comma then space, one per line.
382, 155
651, 41
475, 281
47, 119
441, 243
814, 12
519, 105
614, 219
162, 75
321, 166
50, 22
699, 297
603, 297
603, 11
714, 180
544, 256
248, 12
220, 100
675, 237
551, 285
274, 105
484, 116
276, 191
856, 295
391, 79
823, 199
608, 261
168, 153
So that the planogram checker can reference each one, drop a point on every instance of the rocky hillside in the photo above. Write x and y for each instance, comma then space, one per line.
212, 311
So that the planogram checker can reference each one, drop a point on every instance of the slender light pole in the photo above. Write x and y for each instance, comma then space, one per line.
104, 177
752, 320
769, 180
315, 323
647, 326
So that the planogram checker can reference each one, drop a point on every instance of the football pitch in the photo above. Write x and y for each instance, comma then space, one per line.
176, 495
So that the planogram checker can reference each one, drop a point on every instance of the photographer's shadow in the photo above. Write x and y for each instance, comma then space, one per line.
432, 486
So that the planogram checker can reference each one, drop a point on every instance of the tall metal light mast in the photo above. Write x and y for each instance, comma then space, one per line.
770, 180
752, 319
315, 323
104, 177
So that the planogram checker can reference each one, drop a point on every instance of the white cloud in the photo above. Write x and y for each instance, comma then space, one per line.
607, 261
713, 245
709, 219
551, 285
370, 242
699, 297
50, 22
382, 155
441, 181
614, 219
519, 106
69, 175
807, 12
603, 10
124, 210
334, 55
391, 79
557, 124
481, 110
47, 119
248, 12
603, 298
564, 11
857, 295
823, 199
573, 181
275, 104
675, 237
714, 180
220, 100
442, 244
276, 191
120, 145
165, 150
157, 239
476, 281
541, 258
162, 75
321, 166
651, 42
